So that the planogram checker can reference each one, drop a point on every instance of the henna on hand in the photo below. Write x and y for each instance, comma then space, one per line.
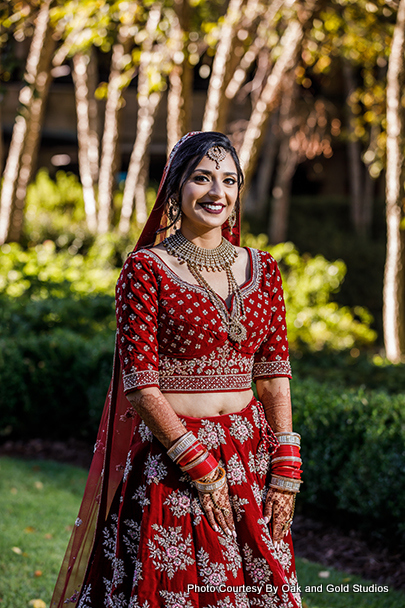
275, 396
158, 415
217, 507
278, 510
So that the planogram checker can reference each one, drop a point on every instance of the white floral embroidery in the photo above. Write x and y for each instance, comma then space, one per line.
211, 573
176, 600
231, 554
140, 496
171, 551
241, 428
283, 555
145, 432
235, 471
257, 493
179, 502
132, 539
118, 572
128, 467
211, 434
85, 598
110, 538
134, 603
257, 567
154, 470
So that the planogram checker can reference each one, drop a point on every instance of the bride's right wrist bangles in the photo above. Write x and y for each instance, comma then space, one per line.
193, 458
286, 463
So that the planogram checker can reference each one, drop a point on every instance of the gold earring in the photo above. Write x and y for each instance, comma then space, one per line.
173, 211
232, 219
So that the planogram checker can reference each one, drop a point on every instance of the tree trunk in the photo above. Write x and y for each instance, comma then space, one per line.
356, 171
394, 275
256, 201
290, 43
280, 205
179, 96
94, 126
220, 68
147, 107
80, 79
239, 75
27, 128
110, 138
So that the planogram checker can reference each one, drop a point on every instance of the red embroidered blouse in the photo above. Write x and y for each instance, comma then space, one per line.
171, 336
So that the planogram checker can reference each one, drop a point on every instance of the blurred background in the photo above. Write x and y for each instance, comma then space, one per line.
95, 93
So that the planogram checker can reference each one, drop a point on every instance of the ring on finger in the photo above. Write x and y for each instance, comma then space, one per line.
226, 512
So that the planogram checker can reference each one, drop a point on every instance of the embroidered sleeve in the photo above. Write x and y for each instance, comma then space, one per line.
137, 309
272, 360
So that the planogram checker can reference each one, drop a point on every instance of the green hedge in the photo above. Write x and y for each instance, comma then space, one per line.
353, 447
54, 385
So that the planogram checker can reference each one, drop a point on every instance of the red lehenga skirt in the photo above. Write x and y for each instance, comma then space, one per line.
157, 549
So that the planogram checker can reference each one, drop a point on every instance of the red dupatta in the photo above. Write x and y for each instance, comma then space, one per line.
114, 435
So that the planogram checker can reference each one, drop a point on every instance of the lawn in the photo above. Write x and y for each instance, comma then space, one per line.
38, 505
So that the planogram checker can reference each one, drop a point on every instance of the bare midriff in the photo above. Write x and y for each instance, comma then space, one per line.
203, 405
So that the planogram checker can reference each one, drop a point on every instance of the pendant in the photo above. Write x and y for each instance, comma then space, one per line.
236, 331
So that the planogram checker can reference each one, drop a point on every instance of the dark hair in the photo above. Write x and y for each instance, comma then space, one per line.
189, 155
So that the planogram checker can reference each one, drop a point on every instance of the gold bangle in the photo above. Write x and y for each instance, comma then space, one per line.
285, 483
207, 487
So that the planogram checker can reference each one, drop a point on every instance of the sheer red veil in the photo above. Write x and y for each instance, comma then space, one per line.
116, 427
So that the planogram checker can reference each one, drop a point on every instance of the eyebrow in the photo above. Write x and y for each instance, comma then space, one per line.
208, 172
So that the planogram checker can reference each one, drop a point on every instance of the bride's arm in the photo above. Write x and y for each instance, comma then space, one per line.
274, 393
158, 414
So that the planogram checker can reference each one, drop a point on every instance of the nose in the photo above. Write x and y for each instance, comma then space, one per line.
216, 190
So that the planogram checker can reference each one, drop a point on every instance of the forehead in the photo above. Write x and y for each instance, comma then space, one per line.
225, 166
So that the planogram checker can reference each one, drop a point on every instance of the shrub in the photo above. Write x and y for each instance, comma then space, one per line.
314, 321
353, 449
54, 384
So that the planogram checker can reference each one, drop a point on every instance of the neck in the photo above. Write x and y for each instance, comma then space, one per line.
208, 239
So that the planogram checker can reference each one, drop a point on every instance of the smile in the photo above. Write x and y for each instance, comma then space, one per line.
212, 207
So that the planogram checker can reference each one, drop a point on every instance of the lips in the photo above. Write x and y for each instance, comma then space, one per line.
215, 208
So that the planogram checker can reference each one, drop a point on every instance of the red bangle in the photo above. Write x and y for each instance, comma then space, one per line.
284, 472
287, 450
203, 468
195, 451
285, 463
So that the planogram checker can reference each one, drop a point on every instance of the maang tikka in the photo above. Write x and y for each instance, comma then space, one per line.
217, 154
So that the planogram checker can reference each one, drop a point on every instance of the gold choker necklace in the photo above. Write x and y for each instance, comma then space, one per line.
220, 258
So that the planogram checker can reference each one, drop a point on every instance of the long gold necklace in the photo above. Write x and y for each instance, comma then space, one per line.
220, 258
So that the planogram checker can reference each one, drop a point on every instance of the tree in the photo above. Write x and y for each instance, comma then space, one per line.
27, 127
394, 275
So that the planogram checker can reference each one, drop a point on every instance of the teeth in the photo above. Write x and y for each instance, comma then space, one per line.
213, 207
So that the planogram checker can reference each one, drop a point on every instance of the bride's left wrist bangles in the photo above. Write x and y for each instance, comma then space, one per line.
286, 463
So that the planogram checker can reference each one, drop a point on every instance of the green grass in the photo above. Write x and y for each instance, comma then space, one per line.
38, 499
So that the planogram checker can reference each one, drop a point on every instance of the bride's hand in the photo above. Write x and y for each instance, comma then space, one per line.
278, 510
218, 508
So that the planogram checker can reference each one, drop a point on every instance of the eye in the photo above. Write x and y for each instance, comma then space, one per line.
201, 178
230, 181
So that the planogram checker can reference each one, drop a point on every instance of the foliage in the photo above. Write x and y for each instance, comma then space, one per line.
54, 384
42, 271
353, 448
314, 322
352, 368
39, 501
